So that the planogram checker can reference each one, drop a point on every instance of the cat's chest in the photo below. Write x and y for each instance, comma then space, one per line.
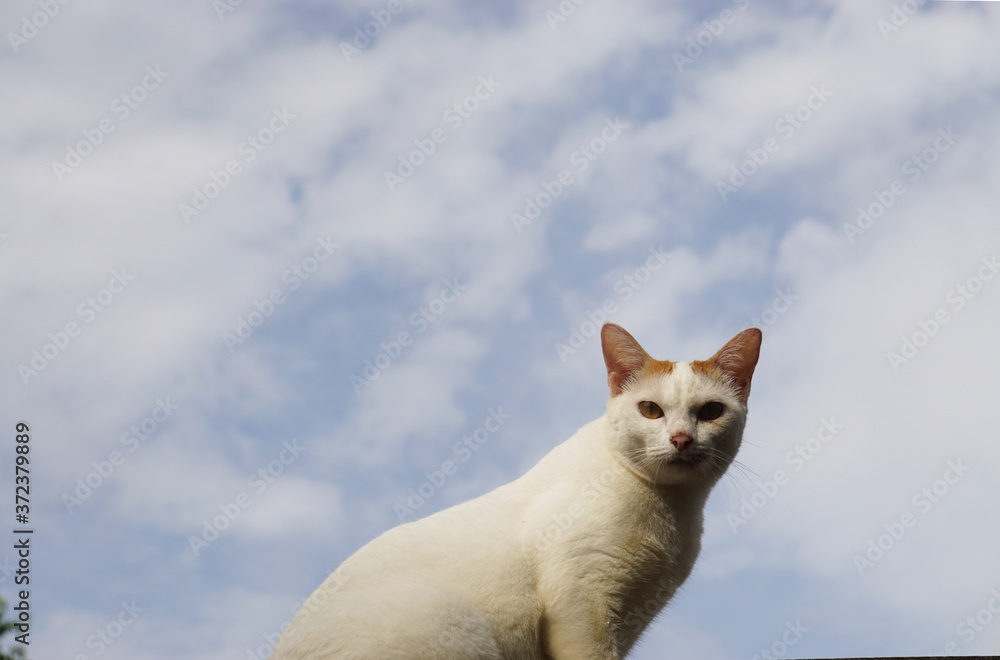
661, 547
638, 540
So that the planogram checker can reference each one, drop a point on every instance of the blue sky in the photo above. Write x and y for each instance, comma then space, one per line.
826, 171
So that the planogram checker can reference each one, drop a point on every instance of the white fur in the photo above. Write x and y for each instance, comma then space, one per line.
570, 561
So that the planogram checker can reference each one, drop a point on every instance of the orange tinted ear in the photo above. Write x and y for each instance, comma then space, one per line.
735, 361
623, 356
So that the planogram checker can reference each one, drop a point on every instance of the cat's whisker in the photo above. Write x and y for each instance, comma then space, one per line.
740, 491
744, 470
738, 474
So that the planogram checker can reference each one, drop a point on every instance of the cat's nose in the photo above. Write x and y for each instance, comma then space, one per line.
681, 440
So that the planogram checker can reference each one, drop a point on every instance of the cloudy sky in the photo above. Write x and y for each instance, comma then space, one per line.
265, 264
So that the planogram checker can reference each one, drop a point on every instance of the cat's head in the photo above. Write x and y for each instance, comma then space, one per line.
678, 422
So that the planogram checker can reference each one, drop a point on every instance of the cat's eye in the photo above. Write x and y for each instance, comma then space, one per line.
650, 410
709, 411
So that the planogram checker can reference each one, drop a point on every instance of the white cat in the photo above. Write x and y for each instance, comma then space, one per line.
568, 562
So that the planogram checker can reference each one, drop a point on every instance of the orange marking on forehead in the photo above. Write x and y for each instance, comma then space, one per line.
706, 368
711, 370
654, 368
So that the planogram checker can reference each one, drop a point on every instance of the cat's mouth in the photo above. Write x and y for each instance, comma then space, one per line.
677, 465
684, 465
694, 463
687, 459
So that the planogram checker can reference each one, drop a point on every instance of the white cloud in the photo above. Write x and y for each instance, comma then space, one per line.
632, 228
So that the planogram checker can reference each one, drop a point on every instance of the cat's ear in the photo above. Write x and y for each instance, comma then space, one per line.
623, 356
737, 359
